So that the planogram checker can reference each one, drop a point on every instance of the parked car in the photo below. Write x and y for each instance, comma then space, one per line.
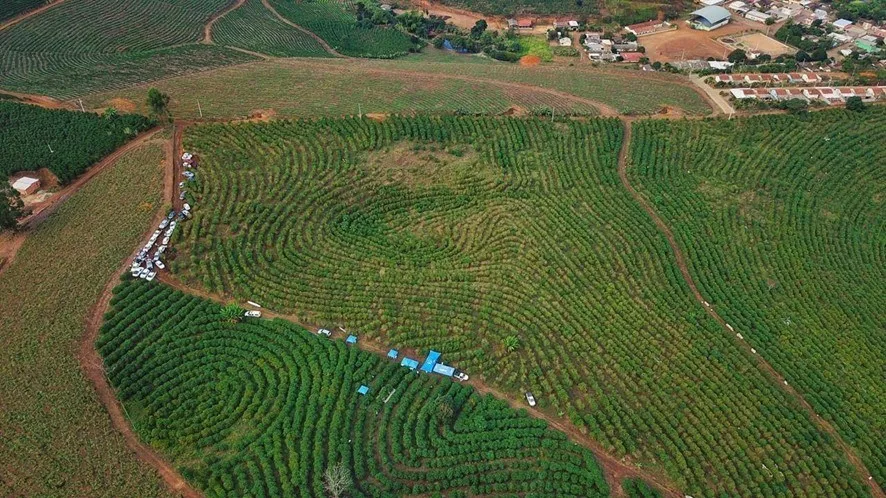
325, 332
151, 276
530, 399
181, 196
252, 314
164, 223
161, 265
144, 273
165, 240
171, 215
459, 375
186, 207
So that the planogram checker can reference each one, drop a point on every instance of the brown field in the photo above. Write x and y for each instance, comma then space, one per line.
759, 42
686, 43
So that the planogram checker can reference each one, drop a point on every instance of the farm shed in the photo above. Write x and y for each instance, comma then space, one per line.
363, 390
26, 185
352, 339
524, 23
709, 18
409, 363
392, 354
430, 361
645, 28
631, 56
842, 24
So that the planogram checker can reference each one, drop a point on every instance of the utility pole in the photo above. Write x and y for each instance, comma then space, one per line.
81, 105
50, 149
552, 114
199, 108
360, 111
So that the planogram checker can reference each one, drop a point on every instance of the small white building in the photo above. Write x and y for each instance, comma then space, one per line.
756, 15
565, 41
842, 24
26, 185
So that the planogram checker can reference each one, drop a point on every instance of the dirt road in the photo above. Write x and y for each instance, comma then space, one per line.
31, 13
93, 367
207, 30
713, 95
321, 41
762, 364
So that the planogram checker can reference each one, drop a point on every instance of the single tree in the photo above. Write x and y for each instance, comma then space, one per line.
479, 28
158, 102
855, 104
232, 313
10, 207
337, 480
512, 343
737, 56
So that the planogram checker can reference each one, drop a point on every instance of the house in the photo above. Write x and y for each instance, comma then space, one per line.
631, 56
524, 23
779, 93
795, 78
626, 46
769, 78
739, 7
846, 92
743, 93
708, 3
757, 16
820, 14
565, 24
709, 18
720, 65
723, 78
866, 46
810, 78
26, 185
841, 24
565, 41
512, 23
593, 48
645, 28
753, 78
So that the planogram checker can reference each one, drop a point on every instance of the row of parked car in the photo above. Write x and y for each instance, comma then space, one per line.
147, 263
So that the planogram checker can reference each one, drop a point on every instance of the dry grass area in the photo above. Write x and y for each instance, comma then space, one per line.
759, 42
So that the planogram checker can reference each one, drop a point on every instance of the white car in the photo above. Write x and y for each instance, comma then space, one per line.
161, 265
135, 272
186, 206
144, 273
151, 276
325, 332
252, 314
461, 376
163, 223
530, 399
181, 196
165, 241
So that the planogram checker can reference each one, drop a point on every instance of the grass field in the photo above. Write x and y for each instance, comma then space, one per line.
55, 438
510, 245
255, 28
537, 46
783, 220
336, 87
335, 22
263, 408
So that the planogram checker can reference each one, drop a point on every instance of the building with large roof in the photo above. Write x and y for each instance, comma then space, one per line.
709, 18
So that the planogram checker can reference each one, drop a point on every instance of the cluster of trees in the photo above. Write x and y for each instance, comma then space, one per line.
265, 408
65, 142
502, 46
811, 40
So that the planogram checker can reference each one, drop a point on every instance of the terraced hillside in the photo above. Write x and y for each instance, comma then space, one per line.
264, 408
253, 27
12, 8
783, 222
82, 46
510, 245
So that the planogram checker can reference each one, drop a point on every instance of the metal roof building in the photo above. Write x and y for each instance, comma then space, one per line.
710, 17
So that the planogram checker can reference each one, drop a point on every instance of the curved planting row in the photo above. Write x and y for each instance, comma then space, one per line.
510, 245
264, 408
782, 220
253, 27
335, 21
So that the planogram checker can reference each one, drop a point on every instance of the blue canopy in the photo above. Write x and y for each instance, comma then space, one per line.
430, 361
447, 45
352, 339
363, 390
444, 370
392, 354
409, 363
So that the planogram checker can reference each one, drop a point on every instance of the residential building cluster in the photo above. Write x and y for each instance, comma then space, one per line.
827, 94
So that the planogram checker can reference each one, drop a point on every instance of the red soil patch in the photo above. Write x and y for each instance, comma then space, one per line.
530, 60
377, 116
122, 105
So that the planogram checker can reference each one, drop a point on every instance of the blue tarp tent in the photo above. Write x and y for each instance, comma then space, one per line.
409, 363
392, 354
430, 361
444, 370
363, 390
447, 45
352, 339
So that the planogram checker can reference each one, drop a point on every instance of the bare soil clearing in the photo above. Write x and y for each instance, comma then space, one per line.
686, 43
460, 17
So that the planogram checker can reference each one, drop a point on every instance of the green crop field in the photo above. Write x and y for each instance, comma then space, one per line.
331, 87
80, 47
66, 142
783, 221
55, 437
511, 246
255, 28
12, 8
263, 408
335, 22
